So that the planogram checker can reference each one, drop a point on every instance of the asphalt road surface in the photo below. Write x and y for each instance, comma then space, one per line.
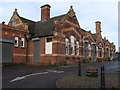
22, 76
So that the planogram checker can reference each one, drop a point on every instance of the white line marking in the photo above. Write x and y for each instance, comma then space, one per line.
55, 71
23, 77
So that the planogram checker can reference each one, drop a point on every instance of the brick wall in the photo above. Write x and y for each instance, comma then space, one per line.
19, 53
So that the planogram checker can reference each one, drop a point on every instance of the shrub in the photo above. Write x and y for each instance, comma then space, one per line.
114, 60
108, 59
63, 63
52, 64
67, 57
78, 58
83, 61
73, 57
99, 60
119, 59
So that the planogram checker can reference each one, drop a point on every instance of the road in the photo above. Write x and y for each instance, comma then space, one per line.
45, 77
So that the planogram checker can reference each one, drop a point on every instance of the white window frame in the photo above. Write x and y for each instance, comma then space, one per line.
22, 40
72, 38
77, 47
16, 44
48, 46
66, 46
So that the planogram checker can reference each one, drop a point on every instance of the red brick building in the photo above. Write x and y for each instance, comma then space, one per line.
52, 40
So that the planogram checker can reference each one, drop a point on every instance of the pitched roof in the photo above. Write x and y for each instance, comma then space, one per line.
31, 24
44, 28
41, 28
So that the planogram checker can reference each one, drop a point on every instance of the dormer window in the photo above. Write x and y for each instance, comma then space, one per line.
14, 23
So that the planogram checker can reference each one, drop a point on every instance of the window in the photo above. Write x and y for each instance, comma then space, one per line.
103, 52
77, 47
13, 23
49, 39
72, 45
97, 51
100, 52
89, 49
16, 42
22, 42
48, 48
67, 46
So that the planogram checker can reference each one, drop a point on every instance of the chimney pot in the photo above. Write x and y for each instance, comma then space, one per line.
3, 22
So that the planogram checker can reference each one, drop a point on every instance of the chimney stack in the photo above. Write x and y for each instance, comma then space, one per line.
45, 12
98, 29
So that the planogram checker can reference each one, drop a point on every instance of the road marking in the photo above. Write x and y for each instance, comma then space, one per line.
64, 66
23, 77
55, 71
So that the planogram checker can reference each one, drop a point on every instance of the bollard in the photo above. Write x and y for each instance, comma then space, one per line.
79, 68
102, 77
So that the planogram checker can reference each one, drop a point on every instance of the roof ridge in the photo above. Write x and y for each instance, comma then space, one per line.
52, 18
57, 16
27, 19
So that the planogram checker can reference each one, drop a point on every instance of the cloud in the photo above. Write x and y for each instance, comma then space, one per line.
59, 0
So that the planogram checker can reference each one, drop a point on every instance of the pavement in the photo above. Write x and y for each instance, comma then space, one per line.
22, 76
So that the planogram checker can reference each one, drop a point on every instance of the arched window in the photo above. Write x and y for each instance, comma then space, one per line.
97, 51
103, 52
100, 52
77, 47
66, 46
89, 49
72, 45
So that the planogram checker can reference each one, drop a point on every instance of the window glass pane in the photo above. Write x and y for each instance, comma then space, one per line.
67, 46
49, 39
72, 45
22, 42
48, 48
77, 47
16, 42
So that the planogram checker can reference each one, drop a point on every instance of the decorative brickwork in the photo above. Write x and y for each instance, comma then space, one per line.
92, 47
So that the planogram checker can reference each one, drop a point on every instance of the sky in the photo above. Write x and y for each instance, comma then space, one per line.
87, 12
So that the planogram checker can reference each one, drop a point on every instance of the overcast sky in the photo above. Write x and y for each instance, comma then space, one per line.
87, 12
